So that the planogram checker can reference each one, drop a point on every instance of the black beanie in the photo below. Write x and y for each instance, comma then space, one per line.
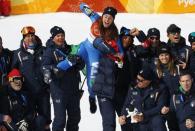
163, 49
153, 32
146, 73
111, 11
56, 30
173, 29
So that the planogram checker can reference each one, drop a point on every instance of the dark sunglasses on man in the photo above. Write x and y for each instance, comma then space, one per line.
154, 37
174, 33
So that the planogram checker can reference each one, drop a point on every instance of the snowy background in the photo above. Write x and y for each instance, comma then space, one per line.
76, 26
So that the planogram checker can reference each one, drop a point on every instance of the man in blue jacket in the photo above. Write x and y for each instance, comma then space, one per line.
147, 98
64, 85
183, 102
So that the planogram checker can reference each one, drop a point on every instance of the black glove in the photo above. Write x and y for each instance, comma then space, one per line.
74, 59
47, 76
92, 103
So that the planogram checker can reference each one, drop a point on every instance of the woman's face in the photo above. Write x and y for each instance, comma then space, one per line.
59, 39
164, 58
107, 20
29, 39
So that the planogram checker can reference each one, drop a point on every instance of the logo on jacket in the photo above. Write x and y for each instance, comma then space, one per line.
103, 99
177, 101
134, 93
15, 102
192, 104
40, 58
152, 95
58, 101
60, 58
25, 58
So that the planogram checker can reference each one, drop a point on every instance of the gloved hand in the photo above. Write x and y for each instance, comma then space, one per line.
102, 46
22, 125
86, 9
47, 76
119, 64
93, 106
74, 59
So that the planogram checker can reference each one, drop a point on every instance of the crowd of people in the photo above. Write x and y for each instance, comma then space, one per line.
147, 84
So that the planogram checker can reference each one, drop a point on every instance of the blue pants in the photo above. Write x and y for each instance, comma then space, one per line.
118, 105
65, 103
43, 106
107, 109
156, 123
172, 121
108, 114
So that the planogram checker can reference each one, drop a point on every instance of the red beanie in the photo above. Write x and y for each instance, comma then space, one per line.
14, 73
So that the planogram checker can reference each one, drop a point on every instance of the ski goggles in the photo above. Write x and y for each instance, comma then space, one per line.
15, 79
28, 30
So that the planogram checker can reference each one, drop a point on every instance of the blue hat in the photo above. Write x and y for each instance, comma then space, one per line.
163, 49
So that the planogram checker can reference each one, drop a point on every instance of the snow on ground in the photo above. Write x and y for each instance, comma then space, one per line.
76, 26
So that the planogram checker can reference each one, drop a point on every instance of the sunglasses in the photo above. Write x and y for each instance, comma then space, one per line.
153, 37
27, 30
174, 33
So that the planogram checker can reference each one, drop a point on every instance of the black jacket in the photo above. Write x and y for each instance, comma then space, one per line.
105, 81
149, 100
191, 63
180, 51
16, 104
30, 67
68, 80
5, 64
184, 105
